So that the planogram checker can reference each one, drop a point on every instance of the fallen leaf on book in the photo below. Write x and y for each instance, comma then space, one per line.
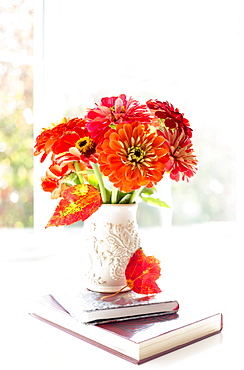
142, 272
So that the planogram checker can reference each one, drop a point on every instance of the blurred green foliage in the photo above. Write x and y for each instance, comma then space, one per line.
16, 104
210, 195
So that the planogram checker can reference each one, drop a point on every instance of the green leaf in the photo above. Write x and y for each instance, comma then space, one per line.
148, 191
72, 179
93, 181
154, 201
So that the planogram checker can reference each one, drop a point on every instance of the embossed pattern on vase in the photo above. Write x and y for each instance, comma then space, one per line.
114, 250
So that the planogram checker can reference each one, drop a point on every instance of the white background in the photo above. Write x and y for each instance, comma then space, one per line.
187, 52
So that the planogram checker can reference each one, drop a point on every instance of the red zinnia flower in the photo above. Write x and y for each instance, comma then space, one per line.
182, 160
49, 184
132, 156
76, 145
115, 110
171, 116
48, 138
52, 182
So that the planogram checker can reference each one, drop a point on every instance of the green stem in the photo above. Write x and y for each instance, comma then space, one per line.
78, 171
125, 199
114, 195
133, 196
100, 182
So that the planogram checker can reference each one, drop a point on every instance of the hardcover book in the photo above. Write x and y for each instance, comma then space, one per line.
88, 306
136, 340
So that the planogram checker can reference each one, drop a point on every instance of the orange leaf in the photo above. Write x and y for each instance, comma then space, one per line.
142, 272
77, 204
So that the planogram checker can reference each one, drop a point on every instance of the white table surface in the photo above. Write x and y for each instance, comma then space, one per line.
200, 262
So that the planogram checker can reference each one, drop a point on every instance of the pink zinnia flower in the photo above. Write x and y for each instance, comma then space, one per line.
115, 110
182, 161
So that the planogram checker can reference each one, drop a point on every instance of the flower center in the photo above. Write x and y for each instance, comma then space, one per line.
122, 110
136, 154
85, 144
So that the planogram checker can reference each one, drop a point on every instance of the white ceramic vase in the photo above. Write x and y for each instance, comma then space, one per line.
111, 238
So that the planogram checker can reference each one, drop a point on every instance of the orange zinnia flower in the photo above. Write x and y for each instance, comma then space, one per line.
132, 156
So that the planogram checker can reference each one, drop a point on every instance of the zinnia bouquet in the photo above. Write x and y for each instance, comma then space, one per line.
116, 153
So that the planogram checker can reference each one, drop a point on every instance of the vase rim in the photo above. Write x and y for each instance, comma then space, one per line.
120, 204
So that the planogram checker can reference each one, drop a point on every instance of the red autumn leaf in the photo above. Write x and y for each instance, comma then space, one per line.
77, 204
142, 272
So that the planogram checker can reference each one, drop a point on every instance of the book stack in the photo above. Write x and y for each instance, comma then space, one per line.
135, 327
